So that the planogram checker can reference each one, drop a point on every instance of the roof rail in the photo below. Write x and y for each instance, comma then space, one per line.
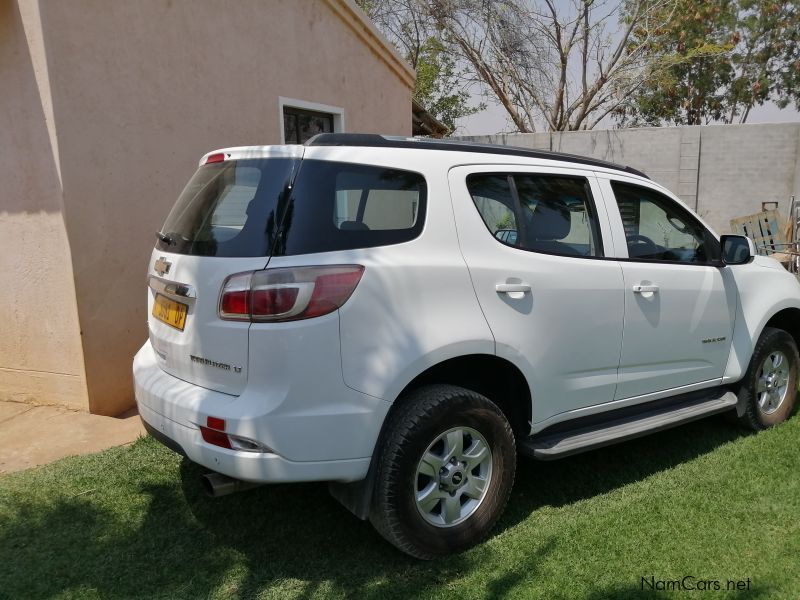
372, 140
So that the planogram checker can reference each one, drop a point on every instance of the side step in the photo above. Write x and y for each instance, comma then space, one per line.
617, 426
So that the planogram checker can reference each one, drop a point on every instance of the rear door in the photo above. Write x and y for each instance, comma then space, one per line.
679, 312
552, 300
224, 222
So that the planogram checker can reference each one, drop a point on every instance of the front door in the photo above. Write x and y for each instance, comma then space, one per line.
534, 245
678, 312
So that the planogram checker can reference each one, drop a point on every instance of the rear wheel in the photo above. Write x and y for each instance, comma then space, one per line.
445, 471
769, 388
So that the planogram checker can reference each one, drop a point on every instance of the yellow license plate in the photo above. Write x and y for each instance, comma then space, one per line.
170, 312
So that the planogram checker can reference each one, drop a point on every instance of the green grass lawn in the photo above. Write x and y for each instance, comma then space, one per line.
703, 500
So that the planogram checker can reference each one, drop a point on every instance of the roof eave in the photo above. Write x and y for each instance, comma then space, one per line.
355, 18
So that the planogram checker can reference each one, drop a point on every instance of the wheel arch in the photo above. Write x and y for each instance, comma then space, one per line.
745, 338
787, 319
500, 380
492, 376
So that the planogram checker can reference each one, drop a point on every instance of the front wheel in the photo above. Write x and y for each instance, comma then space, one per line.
445, 471
769, 388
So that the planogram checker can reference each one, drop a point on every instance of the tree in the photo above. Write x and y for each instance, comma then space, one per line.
767, 59
440, 86
728, 56
561, 68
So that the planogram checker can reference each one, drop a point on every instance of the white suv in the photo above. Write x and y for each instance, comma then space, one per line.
400, 317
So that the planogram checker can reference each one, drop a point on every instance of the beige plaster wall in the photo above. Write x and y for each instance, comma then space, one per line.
41, 358
140, 90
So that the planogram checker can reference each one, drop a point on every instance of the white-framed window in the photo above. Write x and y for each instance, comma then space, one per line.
301, 120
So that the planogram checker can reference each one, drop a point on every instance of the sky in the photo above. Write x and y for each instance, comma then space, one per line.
494, 120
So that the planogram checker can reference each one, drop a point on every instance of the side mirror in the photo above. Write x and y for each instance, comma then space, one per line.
737, 249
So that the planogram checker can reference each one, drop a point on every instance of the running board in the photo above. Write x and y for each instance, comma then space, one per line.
617, 428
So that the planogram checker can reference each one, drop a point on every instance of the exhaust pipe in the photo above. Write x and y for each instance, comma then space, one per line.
217, 484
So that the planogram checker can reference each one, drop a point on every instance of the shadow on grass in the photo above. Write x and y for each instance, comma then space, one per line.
568, 480
292, 536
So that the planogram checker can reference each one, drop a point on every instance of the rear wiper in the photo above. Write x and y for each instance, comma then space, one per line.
165, 238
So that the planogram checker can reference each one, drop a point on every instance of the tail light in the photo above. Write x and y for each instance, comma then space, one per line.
287, 294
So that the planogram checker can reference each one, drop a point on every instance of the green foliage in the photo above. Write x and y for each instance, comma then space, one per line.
721, 58
437, 87
441, 86
769, 59
507, 222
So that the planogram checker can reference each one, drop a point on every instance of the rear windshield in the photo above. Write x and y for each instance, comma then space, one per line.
258, 207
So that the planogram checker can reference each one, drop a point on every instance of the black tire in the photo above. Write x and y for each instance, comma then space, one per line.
755, 417
424, 415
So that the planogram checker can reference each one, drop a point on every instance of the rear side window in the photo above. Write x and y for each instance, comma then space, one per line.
363, 202
493, 199
341, 206
542, 213
259, 207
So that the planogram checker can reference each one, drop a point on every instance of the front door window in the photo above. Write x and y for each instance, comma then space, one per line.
658, 229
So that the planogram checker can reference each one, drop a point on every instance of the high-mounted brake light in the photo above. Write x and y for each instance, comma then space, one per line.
287, 294
215, 158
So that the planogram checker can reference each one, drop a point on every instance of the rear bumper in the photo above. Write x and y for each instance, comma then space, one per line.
327, 439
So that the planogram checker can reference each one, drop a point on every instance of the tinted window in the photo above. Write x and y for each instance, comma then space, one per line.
340, 206
656, 228
253, 208
365, 204
543, 213
228, 209
493, 199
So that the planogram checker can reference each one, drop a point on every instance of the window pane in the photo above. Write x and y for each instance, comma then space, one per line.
390, 209
339, 206
290, 128
556, 212
231, 209
492, 197
381, 209
249, 208
310, 124
228, 209
301, 125
657, 228
558, 215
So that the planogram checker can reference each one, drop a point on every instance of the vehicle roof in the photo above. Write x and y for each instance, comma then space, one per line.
385, 141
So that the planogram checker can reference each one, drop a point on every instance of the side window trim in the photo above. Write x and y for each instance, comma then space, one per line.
618, 229
601, 237
522, 233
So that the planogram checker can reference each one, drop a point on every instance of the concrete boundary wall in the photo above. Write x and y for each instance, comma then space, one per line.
723, 171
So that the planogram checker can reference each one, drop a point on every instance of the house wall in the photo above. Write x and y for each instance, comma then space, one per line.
41, 359
138, 91
723, 172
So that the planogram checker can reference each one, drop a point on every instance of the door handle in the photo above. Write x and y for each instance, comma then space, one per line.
510, 288
645, 289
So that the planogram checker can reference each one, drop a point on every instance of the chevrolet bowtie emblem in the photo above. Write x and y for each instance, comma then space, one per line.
162, 266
